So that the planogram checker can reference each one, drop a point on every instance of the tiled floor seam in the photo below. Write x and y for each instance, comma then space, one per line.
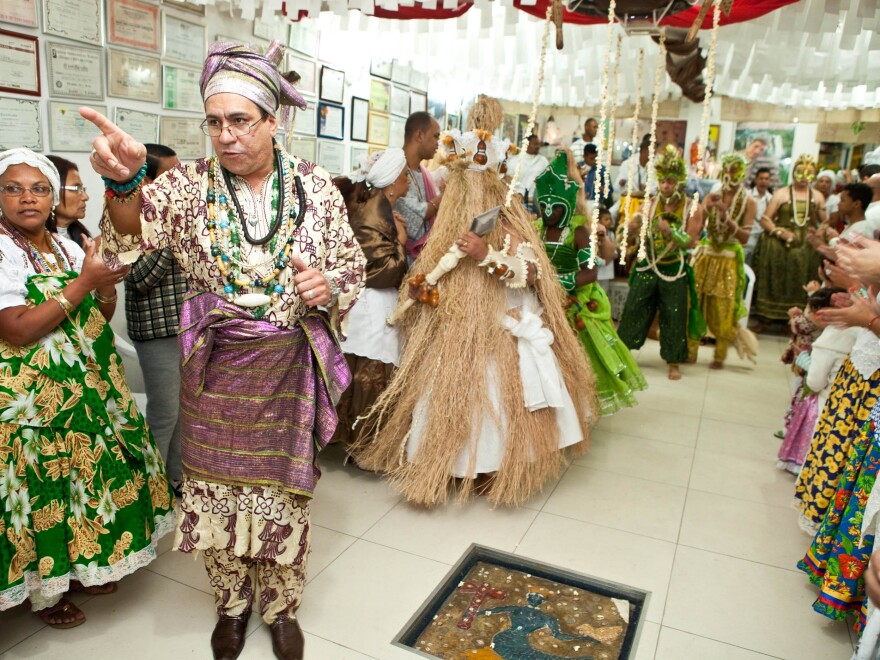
616, 529
787, 506
720, 641
631, 476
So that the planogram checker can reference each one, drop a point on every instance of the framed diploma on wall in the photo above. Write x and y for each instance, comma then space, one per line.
379, 128
359, 156
303, 37
133, 23
142, 126
75, 71
308, 73
183, 41
79, 20
305, 122
134, 76
19, 63
399, 101
20, 124
360, 119
332, 85
303, 147
68, 131
19, 12
180, 89
184, 135
191, 7
380, 96
331, 156
331, 121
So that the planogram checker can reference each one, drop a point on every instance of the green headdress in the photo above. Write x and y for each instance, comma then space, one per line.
669, 165
554, 188
733, 169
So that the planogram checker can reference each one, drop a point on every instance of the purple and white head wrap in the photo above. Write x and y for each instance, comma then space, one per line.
237, 69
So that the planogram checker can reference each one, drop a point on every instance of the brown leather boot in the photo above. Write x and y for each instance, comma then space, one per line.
227, 641
287, 638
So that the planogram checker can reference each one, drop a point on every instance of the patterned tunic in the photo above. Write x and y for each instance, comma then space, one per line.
175, 216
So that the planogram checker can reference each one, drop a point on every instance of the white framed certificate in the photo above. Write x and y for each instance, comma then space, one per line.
75, 71
303, 147
400, 72
20, 124
397, 132
68, 131
331, 121
134, 76
191, 7
142, 126
331, 156
79, 20
19, 63
360, 119
19, 12
308, 73
180, 89
399, 101
184, 135
418, 102
182, 40
305, 122
332, 85
303, 37
269, 30
379, 128
133, 23
359, 156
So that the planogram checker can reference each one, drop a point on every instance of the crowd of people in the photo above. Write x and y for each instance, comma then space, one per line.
450, 325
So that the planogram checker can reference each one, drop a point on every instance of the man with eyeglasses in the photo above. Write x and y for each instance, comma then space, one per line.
264, 241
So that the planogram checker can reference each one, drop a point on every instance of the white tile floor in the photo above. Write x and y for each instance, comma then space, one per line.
678, 496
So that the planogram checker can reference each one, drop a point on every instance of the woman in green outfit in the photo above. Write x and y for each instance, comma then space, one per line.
84, 497
567, 241
784, 260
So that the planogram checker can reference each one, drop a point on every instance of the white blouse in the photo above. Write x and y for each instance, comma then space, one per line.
15, 268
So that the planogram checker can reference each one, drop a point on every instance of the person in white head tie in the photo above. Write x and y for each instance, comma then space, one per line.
371, 345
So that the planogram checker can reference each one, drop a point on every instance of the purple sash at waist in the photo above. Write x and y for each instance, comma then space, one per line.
257, 402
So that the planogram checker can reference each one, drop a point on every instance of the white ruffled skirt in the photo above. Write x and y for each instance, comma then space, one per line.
368, 334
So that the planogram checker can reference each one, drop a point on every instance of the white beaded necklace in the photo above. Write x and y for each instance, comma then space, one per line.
794, 213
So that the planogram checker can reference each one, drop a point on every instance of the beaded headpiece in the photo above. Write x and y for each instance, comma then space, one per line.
670, 165
733, 169
806, 162
554, 188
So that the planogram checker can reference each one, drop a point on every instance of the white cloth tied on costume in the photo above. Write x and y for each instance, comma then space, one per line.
24, 156
542, 382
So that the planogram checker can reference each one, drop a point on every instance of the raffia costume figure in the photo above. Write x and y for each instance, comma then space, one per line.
492, 383
567, 242
719, 263
664, 279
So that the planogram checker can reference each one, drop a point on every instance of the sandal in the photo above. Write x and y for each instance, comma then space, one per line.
62, 615
94, 590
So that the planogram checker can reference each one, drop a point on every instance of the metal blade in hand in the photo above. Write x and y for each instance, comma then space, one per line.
485, 222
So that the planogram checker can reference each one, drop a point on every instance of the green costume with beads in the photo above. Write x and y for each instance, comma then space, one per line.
617, 374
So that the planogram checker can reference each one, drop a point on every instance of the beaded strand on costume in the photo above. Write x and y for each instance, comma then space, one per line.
38, 261
631, 172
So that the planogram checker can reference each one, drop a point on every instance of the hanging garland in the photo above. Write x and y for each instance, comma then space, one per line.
710, 85
545, 39
631, 172
612, 133
601, 155
652, 145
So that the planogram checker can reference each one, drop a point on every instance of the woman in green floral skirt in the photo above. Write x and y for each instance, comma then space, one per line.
84, 497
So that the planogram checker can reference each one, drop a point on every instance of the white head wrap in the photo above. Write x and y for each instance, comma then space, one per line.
23, 156
872, 157
829, 173
382, 168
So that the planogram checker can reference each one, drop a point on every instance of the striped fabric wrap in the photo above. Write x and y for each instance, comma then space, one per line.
257, 402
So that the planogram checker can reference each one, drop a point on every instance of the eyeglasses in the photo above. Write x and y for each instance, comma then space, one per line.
79, 188
213, 128
38, 190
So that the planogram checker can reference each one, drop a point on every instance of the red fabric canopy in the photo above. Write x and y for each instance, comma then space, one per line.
742, 10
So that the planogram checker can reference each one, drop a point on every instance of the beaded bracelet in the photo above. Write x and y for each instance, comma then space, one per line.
126, 187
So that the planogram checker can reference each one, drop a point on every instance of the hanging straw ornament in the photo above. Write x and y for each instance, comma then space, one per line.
600, 156
652, 145
631, 172
710, 87
545, 39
